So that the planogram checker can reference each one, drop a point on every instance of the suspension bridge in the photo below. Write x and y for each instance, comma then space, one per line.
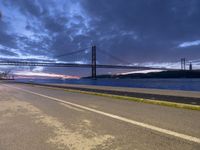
93, 65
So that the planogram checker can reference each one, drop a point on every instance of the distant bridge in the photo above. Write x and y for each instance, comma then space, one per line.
24, 63
93, 64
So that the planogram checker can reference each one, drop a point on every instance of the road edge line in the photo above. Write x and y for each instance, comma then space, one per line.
144, 125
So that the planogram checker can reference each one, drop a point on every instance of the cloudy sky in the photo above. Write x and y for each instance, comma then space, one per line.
144, 32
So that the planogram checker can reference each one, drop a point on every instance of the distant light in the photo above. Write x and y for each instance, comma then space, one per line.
187, 44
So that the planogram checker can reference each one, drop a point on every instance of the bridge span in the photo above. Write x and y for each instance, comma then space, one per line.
93, 64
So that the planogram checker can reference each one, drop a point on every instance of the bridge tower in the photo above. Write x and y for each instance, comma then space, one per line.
94, 72
190, 67
183, 64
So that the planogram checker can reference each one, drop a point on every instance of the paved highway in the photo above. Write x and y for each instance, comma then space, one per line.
177, 96
35, 117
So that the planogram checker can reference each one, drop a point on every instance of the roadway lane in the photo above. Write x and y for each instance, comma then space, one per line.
34, 117
177, 96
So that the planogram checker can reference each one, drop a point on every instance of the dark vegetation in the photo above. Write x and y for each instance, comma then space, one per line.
163, 74
6, 76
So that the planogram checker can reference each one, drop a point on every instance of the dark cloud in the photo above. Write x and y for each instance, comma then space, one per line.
159, 26
55, 24
137, 31
6, 38
27, 7
7, 52
158, 18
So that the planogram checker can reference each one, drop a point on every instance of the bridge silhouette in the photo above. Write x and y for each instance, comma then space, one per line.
93, 65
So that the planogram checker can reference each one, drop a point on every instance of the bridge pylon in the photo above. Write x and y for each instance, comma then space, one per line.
94, 68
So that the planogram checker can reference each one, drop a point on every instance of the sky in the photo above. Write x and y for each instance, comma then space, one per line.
140, 32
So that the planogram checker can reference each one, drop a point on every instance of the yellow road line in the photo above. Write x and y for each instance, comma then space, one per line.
121, 97
141, 124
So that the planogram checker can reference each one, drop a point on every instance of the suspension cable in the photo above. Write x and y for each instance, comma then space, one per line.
72, 53
113, 57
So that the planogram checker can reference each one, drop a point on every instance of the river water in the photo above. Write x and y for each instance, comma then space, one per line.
171, 84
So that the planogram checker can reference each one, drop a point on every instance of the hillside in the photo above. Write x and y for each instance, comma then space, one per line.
163, 74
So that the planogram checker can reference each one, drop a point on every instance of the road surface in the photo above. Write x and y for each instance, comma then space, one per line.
177, 96
41, 118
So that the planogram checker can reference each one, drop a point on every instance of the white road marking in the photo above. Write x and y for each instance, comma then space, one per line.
141, 124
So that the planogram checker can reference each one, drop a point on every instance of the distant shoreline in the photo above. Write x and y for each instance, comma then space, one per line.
7, 79
182, 74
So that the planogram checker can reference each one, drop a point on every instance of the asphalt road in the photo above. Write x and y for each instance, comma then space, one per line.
41, 118
177, 96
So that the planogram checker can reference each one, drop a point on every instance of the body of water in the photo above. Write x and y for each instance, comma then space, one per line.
171, 84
